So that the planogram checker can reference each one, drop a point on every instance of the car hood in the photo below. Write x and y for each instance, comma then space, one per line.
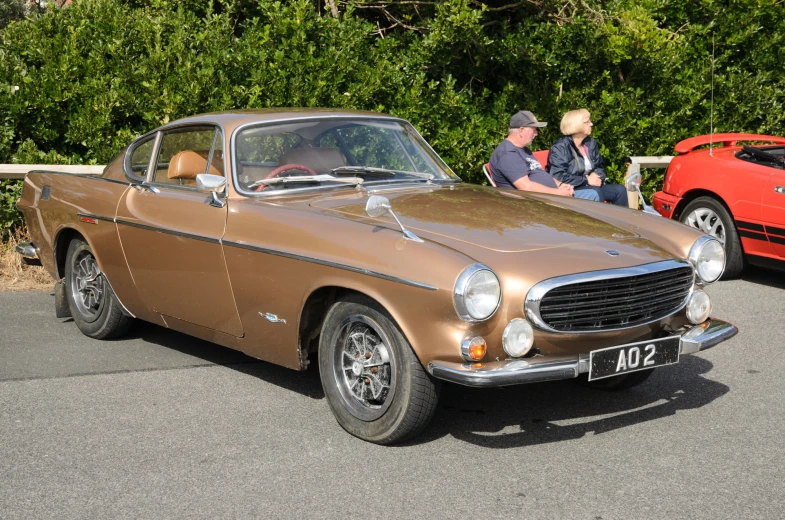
503, 221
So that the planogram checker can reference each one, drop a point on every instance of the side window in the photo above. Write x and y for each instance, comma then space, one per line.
136, 164
183, 155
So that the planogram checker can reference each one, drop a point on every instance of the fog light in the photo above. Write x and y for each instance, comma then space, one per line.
698, 307
518, 338
473, 348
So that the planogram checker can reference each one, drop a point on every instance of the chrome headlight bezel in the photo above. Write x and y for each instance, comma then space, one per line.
695, 254
462, 285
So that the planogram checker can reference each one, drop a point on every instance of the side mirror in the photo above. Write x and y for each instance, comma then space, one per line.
633, 182
209, 183
377, 206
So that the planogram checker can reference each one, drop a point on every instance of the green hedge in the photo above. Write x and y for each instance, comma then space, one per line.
78, 83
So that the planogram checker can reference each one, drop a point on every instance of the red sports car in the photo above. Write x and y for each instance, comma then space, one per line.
733, 192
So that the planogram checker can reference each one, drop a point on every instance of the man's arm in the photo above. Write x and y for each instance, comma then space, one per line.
525, 184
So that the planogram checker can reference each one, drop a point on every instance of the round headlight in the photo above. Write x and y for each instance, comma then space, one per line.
708, 258
477, 293
518, 338
698, 307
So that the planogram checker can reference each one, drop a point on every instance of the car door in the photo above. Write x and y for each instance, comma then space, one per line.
171, 235
774, 211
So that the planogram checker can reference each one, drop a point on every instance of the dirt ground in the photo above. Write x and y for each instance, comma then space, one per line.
17, 276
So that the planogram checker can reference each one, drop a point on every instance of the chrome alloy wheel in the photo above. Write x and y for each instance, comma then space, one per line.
707, 221
364, 368
87, 285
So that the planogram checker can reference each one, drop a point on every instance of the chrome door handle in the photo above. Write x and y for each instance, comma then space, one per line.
780, 189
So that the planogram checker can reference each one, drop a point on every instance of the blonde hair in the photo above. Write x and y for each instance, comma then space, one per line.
572, 122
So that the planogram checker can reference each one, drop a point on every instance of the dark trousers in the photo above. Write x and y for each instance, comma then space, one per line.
613, 193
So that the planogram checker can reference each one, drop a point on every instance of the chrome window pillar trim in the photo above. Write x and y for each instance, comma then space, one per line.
328, 263
531, 306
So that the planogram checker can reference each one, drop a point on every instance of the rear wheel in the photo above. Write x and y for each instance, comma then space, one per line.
375, 385
617, 383
94, 307
708, 215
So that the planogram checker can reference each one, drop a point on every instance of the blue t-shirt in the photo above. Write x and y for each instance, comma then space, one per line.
510, 163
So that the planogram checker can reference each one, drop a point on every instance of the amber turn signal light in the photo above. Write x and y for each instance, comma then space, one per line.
473, 348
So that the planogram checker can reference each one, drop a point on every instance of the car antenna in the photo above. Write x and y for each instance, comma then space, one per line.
711, 117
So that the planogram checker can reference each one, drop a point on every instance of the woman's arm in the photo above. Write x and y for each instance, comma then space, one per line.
596, 158
561, 164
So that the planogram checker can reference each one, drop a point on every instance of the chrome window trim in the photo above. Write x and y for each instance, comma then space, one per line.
328, 263
253, 194
695, 250
459, 292
531, 306
132, 147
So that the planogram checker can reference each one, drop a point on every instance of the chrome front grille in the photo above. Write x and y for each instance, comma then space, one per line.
610, 300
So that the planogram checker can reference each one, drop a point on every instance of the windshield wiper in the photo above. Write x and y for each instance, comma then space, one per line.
306, 178
763, 154
380, 171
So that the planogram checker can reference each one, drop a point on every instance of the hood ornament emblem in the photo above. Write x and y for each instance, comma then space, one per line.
612, 252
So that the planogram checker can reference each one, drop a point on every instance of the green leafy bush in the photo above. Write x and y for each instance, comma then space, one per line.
78, 83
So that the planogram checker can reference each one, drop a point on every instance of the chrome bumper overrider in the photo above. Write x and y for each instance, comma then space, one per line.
545, 368
26, 249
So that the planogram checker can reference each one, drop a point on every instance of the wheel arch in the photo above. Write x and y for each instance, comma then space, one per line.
694, 194
62, 240
315, 309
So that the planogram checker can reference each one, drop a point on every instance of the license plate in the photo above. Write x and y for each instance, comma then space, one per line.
613, 361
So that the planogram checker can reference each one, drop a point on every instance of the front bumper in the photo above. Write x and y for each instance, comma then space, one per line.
548, 368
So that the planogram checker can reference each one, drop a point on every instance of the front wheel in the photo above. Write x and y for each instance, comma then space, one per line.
375, 385
710, 216
94, 307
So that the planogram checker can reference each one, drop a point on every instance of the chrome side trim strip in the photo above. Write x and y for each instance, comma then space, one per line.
531, 306
330, 264
168, 231
97, 217
82, 175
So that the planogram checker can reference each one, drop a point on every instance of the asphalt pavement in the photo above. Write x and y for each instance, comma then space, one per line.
161, 425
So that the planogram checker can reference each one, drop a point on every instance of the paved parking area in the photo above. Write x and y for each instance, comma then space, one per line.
161, 425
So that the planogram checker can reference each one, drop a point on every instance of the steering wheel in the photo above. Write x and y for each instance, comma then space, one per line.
285, 168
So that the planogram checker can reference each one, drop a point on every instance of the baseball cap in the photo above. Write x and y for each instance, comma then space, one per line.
525, 118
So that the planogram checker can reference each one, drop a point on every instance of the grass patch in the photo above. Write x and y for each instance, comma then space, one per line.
15, 275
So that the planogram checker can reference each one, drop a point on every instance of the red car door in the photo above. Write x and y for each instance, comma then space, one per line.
774, 211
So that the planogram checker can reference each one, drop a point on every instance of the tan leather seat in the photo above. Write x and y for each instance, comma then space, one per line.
320, 160
186, 165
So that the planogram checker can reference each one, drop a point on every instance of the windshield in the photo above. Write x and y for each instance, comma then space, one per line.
329, 152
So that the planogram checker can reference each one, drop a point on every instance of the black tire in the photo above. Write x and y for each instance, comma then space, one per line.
714, 210
616, 383
357, 336
94, 307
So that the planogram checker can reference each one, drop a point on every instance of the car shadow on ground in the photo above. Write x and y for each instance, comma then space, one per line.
515, 416
528, 415
306, 383
761, 276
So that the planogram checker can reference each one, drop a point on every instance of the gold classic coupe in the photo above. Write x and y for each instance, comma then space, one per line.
338, 236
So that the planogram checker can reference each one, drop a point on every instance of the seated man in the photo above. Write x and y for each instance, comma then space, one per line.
514, 166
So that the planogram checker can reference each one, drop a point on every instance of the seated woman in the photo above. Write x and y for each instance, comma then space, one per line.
575, 159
